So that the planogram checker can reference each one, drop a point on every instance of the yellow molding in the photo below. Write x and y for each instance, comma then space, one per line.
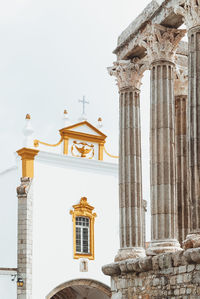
36, 142
83, 209
107, 153
27, 156
65, 145
101, 147
87, 124
82, 136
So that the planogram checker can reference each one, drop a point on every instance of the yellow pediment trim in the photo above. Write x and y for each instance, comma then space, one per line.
69, 130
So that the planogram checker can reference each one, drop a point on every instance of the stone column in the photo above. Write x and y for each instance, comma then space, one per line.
24, 251
191, 13
144, 204
129, 75
160, 43
180, 93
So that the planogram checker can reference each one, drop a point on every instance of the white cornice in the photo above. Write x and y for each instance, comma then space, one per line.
77, 163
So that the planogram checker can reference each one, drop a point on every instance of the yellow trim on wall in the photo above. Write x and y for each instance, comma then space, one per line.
68, 133
65, 145
107, 153
36, 143
101, 148
83, 209
87, 124
27, 156
82, 136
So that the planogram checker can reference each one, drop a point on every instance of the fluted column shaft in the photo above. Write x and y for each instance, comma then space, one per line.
181, 167
130, 176
194, 125
161, 43
129, 75
164, 207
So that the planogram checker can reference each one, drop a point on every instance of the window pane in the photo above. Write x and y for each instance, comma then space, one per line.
85, 240
82, 235
78, 239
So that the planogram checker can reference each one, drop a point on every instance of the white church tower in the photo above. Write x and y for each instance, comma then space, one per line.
63, 218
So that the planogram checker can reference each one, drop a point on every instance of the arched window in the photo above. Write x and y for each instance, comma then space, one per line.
83, 229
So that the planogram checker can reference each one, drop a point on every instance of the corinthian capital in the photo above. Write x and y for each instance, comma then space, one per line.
128, 73
190, 12
160, 42
181, 81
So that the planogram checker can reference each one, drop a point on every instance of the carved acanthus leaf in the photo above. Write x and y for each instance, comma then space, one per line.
128, 73
190, 12
160, 42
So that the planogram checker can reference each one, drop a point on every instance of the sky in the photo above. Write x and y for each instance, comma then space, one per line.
52, 53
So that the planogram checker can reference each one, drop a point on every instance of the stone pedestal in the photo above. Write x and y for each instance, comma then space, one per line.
130, 171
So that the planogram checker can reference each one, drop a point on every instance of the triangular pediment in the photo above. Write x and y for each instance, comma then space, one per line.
85, 128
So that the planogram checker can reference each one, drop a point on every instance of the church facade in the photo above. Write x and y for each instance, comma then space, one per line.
64, 214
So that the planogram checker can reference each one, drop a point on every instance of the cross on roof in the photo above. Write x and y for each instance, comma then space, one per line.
84, 102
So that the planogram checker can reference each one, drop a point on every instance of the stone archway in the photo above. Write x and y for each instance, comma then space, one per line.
80, 289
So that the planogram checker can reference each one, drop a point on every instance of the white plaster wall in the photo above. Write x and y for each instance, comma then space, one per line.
8, 288
9, 180
56, 189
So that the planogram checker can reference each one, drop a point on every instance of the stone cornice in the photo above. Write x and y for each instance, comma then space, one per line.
160, 42
190, 11
128, 73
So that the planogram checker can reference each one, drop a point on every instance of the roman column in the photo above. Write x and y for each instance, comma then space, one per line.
144, 204
160, 43
129, 75
180, 93
191, 14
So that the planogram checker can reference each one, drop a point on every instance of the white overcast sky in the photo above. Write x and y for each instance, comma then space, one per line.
52, 53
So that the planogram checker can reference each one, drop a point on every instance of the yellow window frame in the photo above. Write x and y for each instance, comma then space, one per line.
83, 209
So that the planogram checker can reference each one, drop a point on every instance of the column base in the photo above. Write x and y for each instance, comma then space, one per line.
162, 246
192, 240
130, 253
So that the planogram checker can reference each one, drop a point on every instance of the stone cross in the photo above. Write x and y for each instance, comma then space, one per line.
84, 102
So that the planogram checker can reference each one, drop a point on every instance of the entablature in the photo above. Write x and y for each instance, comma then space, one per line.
155, 13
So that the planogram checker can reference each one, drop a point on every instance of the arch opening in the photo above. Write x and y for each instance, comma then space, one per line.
80, 289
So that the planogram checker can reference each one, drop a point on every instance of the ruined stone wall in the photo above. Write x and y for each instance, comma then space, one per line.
170, 275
